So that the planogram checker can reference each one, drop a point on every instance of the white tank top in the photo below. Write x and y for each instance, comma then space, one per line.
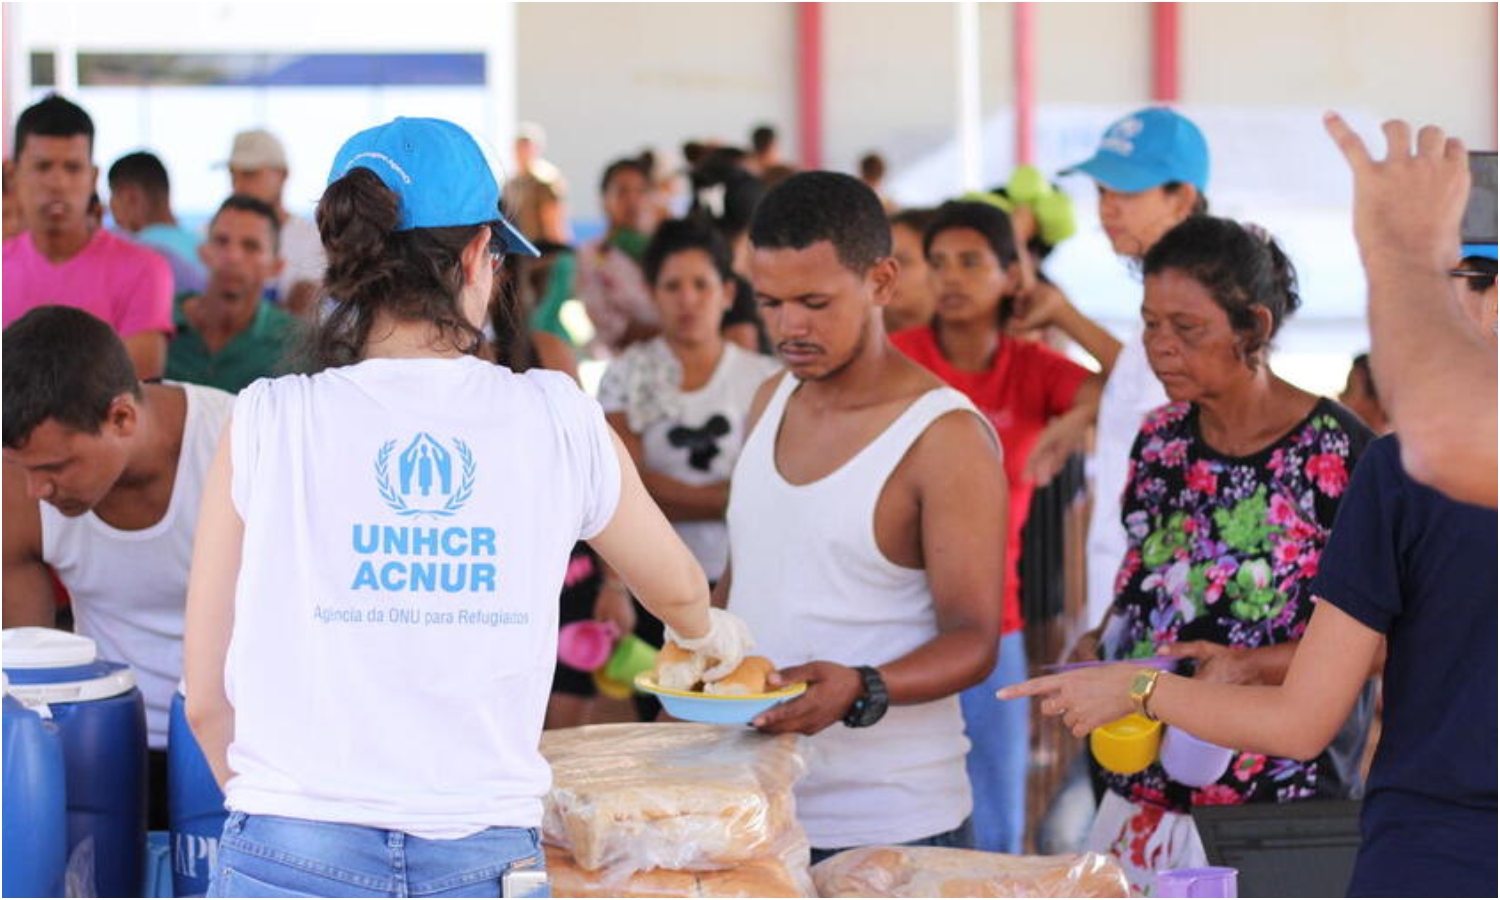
812, 584
408, 524
129, 588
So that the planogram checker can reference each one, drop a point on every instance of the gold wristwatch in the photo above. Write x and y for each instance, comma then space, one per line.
1142, 686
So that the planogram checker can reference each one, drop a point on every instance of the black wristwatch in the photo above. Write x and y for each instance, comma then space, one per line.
869, 708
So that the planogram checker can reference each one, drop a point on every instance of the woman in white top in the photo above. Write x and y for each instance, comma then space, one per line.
679, 401
372, 612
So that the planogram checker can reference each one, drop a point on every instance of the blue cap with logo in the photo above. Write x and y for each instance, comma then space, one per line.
1146, 149
440, 173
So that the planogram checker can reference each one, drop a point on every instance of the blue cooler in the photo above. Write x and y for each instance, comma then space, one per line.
101, 720
35, 805
195, 807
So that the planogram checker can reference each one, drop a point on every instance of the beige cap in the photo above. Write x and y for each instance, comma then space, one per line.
257, 149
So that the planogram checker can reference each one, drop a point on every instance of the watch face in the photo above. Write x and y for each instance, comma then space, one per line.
864, 714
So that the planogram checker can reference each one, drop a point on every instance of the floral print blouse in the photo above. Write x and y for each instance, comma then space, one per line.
1224, 549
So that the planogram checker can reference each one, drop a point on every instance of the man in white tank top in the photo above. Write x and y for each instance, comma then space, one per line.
867, 529
120, 466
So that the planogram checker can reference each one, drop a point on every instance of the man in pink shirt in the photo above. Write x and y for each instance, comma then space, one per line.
64, 258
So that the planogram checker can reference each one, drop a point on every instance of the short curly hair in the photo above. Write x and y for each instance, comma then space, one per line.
824, 206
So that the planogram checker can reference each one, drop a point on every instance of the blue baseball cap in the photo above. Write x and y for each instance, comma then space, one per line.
1485, 250
1146, 149
440, 173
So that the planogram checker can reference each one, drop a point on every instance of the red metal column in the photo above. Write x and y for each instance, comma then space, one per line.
1164, 56
810, 83
1025, 52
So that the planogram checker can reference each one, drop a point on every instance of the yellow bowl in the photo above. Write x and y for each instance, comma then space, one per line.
614, 690
1126, 746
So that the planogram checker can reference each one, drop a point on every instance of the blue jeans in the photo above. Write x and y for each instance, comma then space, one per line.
961, 837
1000, 732
271, 856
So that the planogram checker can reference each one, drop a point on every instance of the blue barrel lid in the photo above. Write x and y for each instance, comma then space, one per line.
44, 665
45, 648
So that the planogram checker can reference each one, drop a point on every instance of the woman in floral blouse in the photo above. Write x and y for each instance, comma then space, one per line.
1231, 496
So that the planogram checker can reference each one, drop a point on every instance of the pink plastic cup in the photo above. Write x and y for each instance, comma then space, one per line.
586, 645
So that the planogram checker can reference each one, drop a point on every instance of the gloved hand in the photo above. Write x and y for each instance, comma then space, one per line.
723, 646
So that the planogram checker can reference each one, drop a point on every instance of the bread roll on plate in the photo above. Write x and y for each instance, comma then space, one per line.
748, 678
678, 669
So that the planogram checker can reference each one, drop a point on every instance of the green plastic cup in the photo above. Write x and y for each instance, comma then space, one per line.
632, 656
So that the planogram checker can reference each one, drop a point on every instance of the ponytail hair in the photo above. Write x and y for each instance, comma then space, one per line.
1241, 267
373, 269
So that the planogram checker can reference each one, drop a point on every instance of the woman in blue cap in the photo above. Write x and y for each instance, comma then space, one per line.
372, 614
1151, 170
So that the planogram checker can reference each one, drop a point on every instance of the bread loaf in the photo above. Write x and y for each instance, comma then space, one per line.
681, 797
757, 878
944, 872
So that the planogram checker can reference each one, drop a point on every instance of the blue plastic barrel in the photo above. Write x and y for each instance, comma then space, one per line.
101, 721
195, 808
158, 865
35, 805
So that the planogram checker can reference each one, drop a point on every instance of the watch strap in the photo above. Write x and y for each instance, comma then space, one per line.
870, 707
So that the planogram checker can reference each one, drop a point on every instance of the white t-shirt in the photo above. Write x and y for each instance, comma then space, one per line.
812, 584
302, 248
1131, 391
129, 587
696, 436
407, 530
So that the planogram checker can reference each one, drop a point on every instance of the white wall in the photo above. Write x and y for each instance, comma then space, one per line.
301, 27
1431, 62
1093, 53
609, 79
888, 80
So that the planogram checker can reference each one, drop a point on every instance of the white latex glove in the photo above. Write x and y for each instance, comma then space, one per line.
723, 646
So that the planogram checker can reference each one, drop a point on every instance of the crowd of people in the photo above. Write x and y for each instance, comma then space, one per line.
819, 431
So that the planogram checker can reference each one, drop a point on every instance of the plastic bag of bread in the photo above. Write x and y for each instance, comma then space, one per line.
770, 877
944, 872
679, 796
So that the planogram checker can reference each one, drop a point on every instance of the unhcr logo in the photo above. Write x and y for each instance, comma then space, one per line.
1121, 137
426, 478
